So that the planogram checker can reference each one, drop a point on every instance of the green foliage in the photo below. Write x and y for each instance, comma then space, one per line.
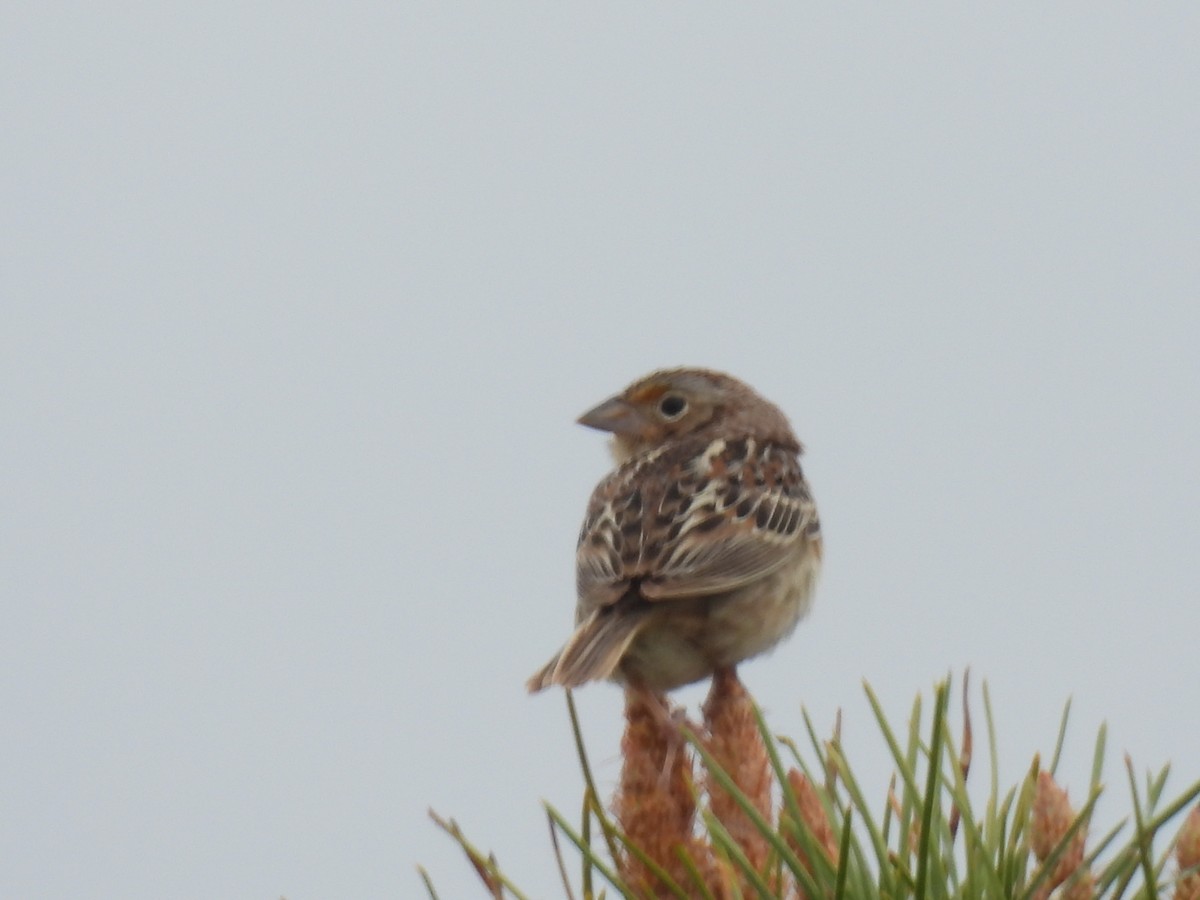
924, 841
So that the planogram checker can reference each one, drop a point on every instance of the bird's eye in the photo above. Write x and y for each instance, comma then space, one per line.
672, 406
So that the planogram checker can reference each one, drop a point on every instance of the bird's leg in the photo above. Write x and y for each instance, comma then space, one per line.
658, 706
725, 691
645, 709
724, 683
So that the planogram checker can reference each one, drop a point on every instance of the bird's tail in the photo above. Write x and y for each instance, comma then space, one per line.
593, 652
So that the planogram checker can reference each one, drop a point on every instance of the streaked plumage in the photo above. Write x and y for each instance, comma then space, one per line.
701, 548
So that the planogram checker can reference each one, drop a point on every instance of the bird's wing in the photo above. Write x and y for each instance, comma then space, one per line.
694, 524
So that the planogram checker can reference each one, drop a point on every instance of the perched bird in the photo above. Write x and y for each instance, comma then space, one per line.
701, 548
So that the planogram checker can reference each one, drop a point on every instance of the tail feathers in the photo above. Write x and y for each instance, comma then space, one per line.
593, 652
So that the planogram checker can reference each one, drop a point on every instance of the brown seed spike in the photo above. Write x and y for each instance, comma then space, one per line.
812, 812
1051, 818
1187, 855
737, 747
655, 803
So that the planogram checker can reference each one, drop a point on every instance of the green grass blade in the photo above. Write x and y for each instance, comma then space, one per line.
978, 861
433, 895
1102, 845
1154, 787
1062, 736
1141, 836
839, 891
729, 846
558, 859
1098, 757
609, 875
994, 757
1018, 850
485, 865
606, 827
818, 745
941, 695
586, 835
902, 762
792, 809
887, 884
1175, 807
696, 876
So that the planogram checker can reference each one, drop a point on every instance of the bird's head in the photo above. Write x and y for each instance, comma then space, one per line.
673, 404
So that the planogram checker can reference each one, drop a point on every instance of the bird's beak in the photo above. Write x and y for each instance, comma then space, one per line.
613, 415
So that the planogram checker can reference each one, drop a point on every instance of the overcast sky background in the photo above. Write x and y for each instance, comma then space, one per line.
300, 302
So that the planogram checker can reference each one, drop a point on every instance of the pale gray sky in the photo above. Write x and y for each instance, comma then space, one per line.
300, 302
